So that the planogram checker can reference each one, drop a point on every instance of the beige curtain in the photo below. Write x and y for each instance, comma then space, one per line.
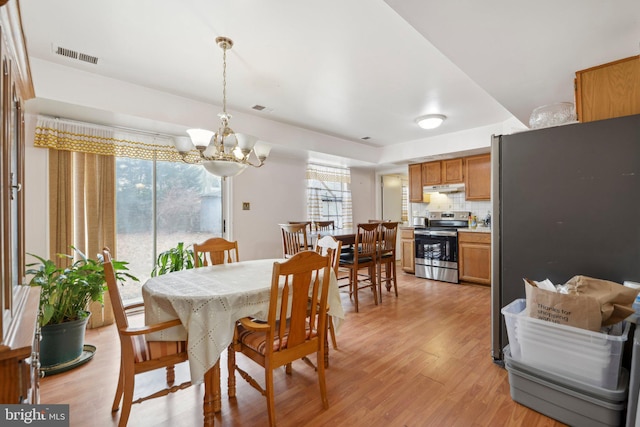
82, 212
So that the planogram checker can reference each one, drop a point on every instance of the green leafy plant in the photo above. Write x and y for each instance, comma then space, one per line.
66, 292
175, 259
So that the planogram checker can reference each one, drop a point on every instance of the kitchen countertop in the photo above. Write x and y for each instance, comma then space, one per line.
476, 230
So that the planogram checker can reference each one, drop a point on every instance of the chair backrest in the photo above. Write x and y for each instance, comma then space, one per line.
329, 242
388, 236
294, 238
367, 240
306, 223
215, 251
114, 292
325, 225
294, 283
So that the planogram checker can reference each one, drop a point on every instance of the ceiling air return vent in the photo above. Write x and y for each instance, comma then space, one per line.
76, 55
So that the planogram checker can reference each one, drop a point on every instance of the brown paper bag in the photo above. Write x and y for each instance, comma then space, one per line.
615, 299
590, 304
580, 311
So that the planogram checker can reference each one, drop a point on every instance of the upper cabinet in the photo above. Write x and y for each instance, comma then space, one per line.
478, 177
431, 173
442, 172
452, 171
608, 90
415, 183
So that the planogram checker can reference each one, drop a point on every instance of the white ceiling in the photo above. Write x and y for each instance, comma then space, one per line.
343, 68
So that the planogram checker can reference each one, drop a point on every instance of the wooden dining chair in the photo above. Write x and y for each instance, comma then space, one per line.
364, 255
215, 251
308, 225
387, 257
324, 225
294, 238
137, 355
323, 245
287, 337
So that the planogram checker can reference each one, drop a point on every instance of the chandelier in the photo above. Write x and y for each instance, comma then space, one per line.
223, 153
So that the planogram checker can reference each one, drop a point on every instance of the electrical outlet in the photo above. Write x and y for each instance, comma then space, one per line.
246, 206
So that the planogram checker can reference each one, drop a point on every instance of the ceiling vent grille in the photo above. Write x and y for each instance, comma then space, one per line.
88, 58
76, 55
258, 107
67, 52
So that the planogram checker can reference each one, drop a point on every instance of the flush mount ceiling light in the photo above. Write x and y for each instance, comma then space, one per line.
430, 121
223, 153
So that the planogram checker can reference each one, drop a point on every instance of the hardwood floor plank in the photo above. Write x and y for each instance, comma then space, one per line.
422, 359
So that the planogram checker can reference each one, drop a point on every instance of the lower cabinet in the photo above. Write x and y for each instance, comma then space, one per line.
474, 257
407, 245
19, 350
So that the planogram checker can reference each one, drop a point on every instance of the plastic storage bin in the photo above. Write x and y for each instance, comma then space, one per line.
592, 358
564, 399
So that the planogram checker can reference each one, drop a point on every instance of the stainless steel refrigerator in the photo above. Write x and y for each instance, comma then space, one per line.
566, 201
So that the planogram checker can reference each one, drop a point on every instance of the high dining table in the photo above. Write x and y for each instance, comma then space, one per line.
346, 235
208, 301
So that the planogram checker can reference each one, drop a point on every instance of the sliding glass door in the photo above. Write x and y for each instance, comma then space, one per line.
158, 205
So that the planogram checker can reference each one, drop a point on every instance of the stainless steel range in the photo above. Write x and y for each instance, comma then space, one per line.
437, 246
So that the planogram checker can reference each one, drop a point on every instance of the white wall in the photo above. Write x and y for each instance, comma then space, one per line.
363, 194
36, 194
277, 194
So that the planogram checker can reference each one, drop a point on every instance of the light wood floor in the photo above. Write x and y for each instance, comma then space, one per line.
422, 359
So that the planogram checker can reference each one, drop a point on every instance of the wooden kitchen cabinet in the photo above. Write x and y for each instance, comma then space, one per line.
608, 90
432, 173
443, 172
478, 177
474, 257
407, 244
453, 171
415, 183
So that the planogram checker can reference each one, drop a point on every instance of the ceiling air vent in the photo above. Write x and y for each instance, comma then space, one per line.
258, 107
67, 52
88, 58
365, 138
76, 55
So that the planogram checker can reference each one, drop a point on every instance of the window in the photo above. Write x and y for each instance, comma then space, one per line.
158, 205
159, 200
329, 195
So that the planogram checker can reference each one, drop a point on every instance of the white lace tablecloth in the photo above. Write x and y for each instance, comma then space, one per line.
209, 300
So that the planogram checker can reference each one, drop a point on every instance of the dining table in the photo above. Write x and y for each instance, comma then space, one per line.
209, 301
346, 235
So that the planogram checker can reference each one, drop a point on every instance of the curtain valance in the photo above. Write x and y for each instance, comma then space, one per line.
328, 174
94, 139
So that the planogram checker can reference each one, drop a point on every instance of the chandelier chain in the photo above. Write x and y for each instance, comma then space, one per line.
224, 79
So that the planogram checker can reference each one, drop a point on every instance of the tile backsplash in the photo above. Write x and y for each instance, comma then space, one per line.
452, 202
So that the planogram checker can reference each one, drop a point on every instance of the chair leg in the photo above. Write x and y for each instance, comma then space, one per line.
322, 383
271, 408
374, 285
354, 284
119, 390
128, 385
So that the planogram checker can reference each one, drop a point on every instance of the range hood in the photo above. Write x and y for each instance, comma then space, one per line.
446, 188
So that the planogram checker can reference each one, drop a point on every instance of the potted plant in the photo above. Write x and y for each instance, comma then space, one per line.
64, 297
175, 259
